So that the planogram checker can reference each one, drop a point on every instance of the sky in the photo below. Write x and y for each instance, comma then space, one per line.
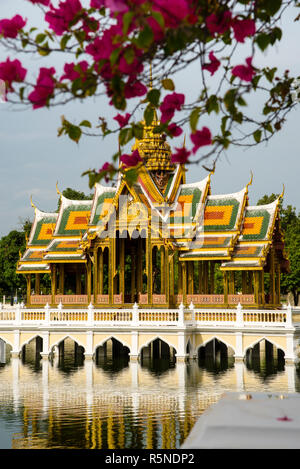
33, 159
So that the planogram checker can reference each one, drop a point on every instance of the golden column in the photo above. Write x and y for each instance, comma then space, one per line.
95, 292
78, 281
122, 268
53, 283
167, 275
89, 280
37, 287
162, 270
256, 288
28, 285
225, 278
212, 278
190, 273
133, 274
272, 277
184, 281
100, 274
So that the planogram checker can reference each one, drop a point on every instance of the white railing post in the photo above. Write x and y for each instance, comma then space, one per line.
60, 306
192, 309
47, 313
91, 314
17, 314
181, 315
289, 317
135, 314
239, 316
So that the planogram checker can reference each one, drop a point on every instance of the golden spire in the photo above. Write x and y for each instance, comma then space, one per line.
282, 193
32, 204
251, 180
57, 189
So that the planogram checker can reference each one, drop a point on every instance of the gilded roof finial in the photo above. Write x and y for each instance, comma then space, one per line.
32, 204
282, 193
57, 189
251, 179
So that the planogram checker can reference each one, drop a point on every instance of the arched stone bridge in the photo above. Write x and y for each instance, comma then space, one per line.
186, 331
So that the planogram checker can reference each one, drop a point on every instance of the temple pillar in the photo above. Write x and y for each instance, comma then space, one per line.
262, 286
190, 273
28, 289
149, 266
231, 283
37, 287
139, 266
272, 277
100, 274
256, 288
250, 282
162, 270
278, 302
179, 264
167, 276
184, 282
171, 273
61, 278
225, 279
205, 274
53, 283
122, 268
133, 274
95, 286
89, 280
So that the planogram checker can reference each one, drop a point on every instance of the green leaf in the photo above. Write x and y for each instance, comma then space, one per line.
149, 114
257, 135
127, 18
212, 104
194, 117
168, 84
145, 38
125, 135
40, 38
74, 133
262, 40
153, 97
64, 41
85, 123
44, 51
131, 176
159, 18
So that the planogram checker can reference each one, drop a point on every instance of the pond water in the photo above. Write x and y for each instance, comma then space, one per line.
116, 404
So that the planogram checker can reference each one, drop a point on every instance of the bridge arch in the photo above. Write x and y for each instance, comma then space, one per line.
155, 347
111, 348
267, 348
119, 338
62, 339
219, 339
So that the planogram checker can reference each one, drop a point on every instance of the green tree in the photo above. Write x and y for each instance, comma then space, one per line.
290, 225
10, 247
72, 194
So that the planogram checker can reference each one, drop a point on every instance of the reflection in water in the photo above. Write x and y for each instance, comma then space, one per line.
113, 403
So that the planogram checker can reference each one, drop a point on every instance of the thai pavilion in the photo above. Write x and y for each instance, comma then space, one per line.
158, 242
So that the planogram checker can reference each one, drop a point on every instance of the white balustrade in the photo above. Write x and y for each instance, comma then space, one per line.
139, 317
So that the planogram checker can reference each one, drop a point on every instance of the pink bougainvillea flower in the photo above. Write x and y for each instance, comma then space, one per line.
243, 28
214, 64
173, 11
60, 18
134, 88
44, 88
97, 3
218, 24
200, 138
156, 28
12, 71
174, 130
131, 160
101, 48
181, 156
134, 67
122, 120
119, 6
74, 71
106, 169
10, 28
42, 2
244, 72
170, 104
